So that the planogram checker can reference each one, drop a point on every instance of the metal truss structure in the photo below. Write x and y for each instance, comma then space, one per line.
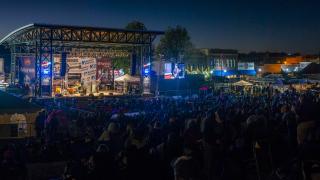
44, 40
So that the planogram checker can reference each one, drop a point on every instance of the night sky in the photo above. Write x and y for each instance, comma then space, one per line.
265, 25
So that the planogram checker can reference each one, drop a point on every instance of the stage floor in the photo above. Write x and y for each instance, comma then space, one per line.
105, 93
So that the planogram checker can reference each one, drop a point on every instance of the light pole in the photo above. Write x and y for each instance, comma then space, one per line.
158, 75
180, 60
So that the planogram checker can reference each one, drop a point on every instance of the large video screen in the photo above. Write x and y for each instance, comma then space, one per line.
174, 71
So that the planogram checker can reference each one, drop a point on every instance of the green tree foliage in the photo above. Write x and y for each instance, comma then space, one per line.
122, 63
175, 43
136, 25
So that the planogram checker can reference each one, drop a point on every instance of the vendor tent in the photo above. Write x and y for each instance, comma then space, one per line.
10, 104
242, 83
127, 78
17, 116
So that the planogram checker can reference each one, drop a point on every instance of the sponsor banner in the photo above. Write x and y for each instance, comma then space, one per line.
26, 70
88, 70
73, 65
104, 70
46, 72
56, 66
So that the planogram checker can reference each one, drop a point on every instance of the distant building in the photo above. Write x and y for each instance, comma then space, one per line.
312, 58
246, 69
293, 60
230, 63
301, 64
269, 68
260, 58
222, 61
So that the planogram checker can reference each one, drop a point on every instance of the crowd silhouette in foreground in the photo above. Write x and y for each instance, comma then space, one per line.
220, 136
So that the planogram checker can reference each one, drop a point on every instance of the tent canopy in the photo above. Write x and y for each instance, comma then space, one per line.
242, 83
10, 104
127, 78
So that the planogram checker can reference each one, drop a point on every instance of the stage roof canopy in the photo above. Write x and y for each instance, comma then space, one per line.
43, 41
75, 36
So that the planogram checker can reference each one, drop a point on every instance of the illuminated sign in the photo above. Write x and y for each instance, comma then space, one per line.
146, 69
46, 68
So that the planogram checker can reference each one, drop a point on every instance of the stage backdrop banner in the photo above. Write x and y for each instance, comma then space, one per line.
73, 65
88, 70
26, 70
46, 73
56, 66
104, 70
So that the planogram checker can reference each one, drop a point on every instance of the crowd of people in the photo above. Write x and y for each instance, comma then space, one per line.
219, 136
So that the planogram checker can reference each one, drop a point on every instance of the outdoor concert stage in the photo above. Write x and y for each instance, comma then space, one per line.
72, 60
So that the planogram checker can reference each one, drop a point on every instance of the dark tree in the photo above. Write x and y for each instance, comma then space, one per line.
175, 43
136, 25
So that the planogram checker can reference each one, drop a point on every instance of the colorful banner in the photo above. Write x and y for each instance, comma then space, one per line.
56, 66
104, 70
88, 70
46, 72
74, 65
26, 70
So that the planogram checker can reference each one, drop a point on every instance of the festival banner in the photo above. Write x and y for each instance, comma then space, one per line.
88, 70
104, 70
74, 65
46, 72
26, 70
56, 67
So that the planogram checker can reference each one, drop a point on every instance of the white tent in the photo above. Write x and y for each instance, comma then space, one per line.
242, 83
127, 78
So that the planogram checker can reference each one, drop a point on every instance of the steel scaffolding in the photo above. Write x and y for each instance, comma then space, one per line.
45, 40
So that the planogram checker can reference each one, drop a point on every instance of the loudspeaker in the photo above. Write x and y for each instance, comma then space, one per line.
133, 63
63, 67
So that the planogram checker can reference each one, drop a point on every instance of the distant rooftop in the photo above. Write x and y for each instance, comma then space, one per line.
219, 51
